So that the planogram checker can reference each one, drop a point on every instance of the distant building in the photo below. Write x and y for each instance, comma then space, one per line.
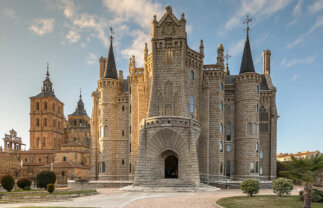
283, 157
55, 144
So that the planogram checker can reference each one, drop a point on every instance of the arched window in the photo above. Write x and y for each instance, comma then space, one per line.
260, 170
122, 132
257, 108
257, 89
192, 105
44, 141
37, 106
122, 108
221, 146
255, 129
54, 123
252, 167
228, 148
261, 154
45, 106
263, 118
100, 169
63, 173
106, 131
249, 128
58, 110
37, 140
221, 128
168, 92
228, 167
64, 158
257, 166
168, 110
257, 147
101, 132
228, 131
37, 122
54, 107
45, 121
74, 122
122, 162
228, 108
192, 75
221, 106
221, 167
129, 167
103, 167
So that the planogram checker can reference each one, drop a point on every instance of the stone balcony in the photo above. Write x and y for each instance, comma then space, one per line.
170, 121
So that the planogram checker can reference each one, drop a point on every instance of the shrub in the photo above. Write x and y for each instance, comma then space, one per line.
23, 183
282, 186
250, 186
45, 177
7, 182
301, 195
50, 188
316, 197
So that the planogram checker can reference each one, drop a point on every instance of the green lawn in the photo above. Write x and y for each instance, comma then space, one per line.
43, 193
55, 207
264, 202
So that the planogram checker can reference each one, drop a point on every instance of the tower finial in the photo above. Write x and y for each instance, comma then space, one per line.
227, 56
111, 34
47, 73
248, 20
80, 93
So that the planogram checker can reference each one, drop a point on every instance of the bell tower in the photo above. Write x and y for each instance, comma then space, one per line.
46, 118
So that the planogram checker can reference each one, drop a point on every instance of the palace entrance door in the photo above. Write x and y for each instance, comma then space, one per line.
171, 167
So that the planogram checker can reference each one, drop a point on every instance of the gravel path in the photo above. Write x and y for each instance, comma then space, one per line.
113, 198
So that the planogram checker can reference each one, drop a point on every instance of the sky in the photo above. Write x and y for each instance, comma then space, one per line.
73, 35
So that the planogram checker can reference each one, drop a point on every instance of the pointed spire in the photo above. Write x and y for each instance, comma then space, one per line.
247, 62
47, 74
110, 69
80, 93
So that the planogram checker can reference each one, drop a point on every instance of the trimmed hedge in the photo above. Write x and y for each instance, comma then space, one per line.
282, 186
45, 177
24, 183
250, 186
7, 182
50, 188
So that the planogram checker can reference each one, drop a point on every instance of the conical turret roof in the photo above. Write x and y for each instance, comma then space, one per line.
111, 70
247, 62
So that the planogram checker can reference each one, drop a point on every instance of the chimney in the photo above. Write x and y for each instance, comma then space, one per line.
120, 76
266, 61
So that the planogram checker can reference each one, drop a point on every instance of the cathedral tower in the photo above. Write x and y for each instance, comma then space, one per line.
46, 118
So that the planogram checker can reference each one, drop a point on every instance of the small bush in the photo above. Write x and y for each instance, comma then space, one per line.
23, 183
282, 186
45, 177
50, 188
7, 182
250, 186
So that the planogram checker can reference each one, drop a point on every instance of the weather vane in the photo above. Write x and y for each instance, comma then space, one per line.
111, 33
47, 74
248, 20
80, 92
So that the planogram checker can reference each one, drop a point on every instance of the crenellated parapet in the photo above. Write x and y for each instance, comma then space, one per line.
248, 77
111, 84
194, 59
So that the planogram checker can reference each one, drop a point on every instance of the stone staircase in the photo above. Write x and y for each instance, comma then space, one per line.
170, 185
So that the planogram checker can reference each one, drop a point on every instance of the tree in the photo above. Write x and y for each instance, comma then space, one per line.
44, 178
7, 182
24, 183
305, 171
250, 186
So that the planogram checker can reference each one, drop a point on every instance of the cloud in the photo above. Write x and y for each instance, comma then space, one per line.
287, 64
298, 8
42, 26
316, 6
302, 37
139, 12
73, 36
295, 76
92, 59
255, 8
237, 47
9, 13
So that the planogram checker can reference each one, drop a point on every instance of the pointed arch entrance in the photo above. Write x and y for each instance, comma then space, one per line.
171, 166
